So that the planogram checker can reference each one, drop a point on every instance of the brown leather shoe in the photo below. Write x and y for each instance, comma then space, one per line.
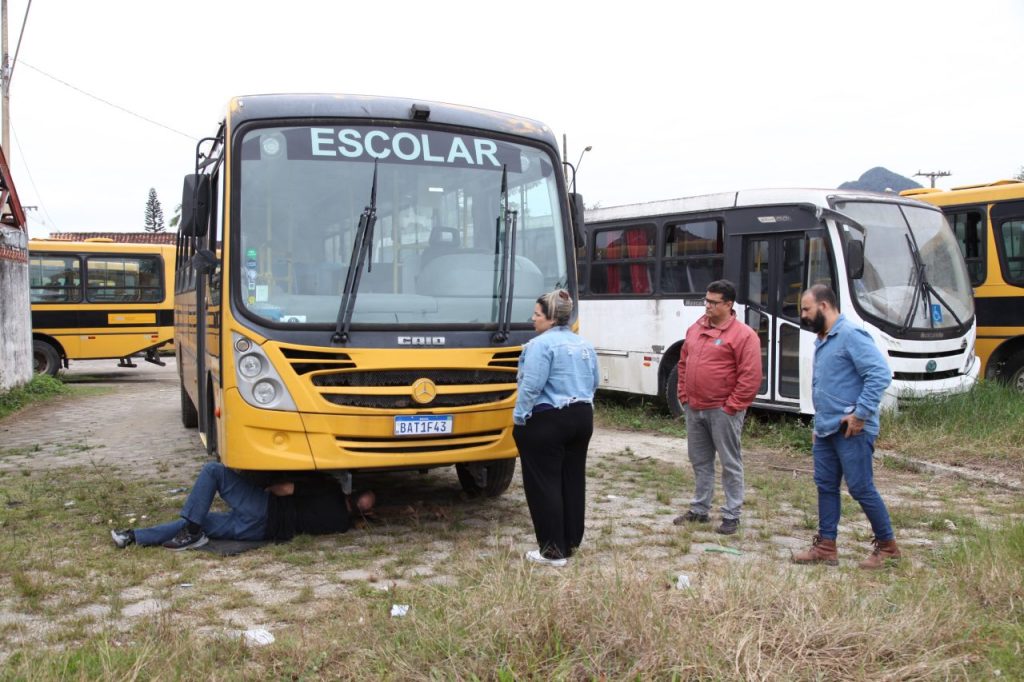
821, 551
885, 552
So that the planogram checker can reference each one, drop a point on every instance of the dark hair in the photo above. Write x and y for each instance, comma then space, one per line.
823, 293
556, 305
723, 287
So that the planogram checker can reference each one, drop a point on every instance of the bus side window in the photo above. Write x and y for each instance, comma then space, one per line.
693, 256
627, 256
1011, 234
969, 229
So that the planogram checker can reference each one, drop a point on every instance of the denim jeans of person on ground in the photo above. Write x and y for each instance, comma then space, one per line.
708, 432
837, 457
247, 519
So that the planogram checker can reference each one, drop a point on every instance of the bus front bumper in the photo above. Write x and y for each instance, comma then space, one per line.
271, 440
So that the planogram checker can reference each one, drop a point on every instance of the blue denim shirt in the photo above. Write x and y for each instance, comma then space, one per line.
850, 376
558, 368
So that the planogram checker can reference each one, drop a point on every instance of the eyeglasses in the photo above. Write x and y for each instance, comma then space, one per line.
708, 301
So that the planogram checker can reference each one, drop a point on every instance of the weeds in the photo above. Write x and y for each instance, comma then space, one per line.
42, 387
982, 425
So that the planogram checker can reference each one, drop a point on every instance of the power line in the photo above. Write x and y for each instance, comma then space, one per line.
932, 175
108, 103
28, 171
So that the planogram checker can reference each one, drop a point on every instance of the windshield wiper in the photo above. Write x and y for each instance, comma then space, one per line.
917, 281
360, 254
505, 270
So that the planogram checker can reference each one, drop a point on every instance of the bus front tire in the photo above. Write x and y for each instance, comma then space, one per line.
499, 476
672, 393
45, 358
189, 414
1012, 371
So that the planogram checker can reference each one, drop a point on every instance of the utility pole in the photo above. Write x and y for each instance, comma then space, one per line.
932, 175
5, 73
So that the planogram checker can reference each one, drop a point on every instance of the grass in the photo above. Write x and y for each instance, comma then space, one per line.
953, 609
609, 620
763, 430
42, 387
981, 426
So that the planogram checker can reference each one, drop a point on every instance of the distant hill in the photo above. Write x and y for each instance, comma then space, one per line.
880, 179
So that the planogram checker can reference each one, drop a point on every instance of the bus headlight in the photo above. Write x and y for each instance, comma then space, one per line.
264, 392
250, 366
258, 382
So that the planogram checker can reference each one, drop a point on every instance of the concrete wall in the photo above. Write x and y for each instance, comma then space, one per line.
15, 311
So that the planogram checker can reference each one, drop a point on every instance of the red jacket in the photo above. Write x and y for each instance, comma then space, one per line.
719, 366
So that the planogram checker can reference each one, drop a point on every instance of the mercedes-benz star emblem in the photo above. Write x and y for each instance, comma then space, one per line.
424, 391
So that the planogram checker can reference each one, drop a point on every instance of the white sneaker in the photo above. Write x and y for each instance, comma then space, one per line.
536, 557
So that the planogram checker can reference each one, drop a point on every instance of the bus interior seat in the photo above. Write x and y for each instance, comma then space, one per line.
472, 275
443, 240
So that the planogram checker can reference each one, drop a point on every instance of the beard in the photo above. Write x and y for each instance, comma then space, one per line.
815, 324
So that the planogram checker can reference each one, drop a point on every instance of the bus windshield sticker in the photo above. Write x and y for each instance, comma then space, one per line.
386, 145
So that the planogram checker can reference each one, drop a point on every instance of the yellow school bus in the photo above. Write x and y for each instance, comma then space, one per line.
988, 221
98, 299
356, 277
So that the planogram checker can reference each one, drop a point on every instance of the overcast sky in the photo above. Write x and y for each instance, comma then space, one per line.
676, 99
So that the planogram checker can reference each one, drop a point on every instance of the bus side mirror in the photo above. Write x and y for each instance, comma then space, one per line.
576, 215
855, 258
195, 205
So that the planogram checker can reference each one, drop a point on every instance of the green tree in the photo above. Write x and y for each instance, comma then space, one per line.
154, 213
1020, 174
176, 218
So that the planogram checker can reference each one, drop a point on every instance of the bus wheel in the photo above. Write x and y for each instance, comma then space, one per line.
45, 358
1012, 371
189, 414
672, 393
499, 476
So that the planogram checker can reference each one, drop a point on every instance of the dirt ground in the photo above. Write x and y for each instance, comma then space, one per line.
130, 426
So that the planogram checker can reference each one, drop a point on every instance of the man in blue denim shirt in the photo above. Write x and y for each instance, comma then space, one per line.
850, 376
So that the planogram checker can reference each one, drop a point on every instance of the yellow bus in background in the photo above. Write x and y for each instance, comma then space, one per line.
988, 221
98, 299
356, 277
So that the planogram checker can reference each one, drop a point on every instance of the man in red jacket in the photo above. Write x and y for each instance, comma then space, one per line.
719, 375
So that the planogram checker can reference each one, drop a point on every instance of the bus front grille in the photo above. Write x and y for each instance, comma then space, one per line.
407, 377
925, 376
402, 402
455, 387
402, 446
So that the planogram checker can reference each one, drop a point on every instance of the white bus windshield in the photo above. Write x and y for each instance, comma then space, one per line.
432, 259
914, 276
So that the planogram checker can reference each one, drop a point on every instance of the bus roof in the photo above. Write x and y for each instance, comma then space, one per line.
93, 246
725, 200
1000, 190
277, 106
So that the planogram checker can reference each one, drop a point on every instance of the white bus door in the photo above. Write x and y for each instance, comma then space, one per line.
774, 275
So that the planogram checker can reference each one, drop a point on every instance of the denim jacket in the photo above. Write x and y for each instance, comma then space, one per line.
850, 376
557, 368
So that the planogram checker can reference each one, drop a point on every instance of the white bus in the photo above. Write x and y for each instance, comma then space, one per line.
893, 262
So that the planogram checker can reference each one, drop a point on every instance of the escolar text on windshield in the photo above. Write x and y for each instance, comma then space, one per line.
385, 145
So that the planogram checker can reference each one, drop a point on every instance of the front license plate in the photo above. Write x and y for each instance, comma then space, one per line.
425, 425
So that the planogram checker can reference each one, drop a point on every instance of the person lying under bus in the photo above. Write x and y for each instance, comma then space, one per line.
279, 512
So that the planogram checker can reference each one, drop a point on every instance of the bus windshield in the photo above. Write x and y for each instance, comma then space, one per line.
914, 276
434, 248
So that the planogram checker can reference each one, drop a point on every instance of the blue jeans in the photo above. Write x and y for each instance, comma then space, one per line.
247, 519
837, 457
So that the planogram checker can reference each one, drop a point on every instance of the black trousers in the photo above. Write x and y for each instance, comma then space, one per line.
553, 458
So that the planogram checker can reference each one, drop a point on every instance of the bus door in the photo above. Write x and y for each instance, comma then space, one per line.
776, 270
208, 318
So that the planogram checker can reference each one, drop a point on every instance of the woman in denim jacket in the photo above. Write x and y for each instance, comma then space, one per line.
554, 419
